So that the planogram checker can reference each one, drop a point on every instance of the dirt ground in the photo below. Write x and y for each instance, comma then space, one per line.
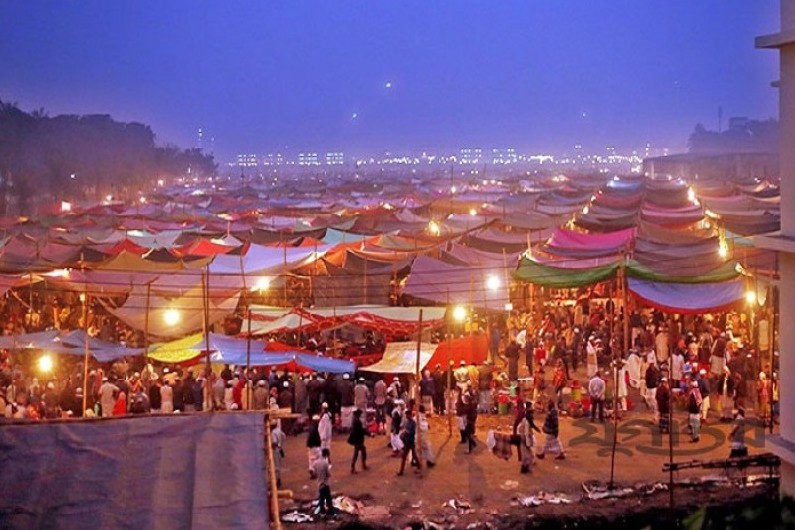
491, 486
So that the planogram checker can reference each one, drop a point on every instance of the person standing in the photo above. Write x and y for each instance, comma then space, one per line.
596, 391
551, 430
512, 353
166, 398
471, 414
439, 382
663, 398
322, 471
408, 437
361, 395
325, 426
427, 390
694, 403
356, 439
379, 390
277, 444
426, 448
155, 401
652, 381
763, 397
525, 430
260, 395
313, 443
559, 381
725, 395
737, 435
107, 393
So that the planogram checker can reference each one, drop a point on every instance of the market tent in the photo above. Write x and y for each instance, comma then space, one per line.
688, 298
401, 358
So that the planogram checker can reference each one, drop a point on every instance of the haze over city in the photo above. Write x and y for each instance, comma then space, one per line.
263, 77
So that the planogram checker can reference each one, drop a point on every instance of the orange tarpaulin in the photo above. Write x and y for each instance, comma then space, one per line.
471, 348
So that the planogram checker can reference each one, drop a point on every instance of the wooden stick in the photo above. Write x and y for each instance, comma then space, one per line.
273, 488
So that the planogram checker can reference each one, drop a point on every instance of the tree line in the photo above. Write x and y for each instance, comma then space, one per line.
74, 157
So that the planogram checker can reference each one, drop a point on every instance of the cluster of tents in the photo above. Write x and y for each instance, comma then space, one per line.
185, 258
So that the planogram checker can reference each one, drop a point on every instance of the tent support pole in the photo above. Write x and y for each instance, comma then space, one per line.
418, 396
273, 488
85, 347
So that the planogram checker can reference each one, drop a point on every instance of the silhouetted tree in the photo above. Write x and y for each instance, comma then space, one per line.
83, 157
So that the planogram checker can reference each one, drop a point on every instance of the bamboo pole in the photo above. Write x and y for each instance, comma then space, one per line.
85, 346
621, 272
418, 438
273, 488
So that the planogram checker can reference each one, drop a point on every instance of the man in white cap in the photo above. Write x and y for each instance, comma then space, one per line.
361, 394
107, 392
325, 426
260, 400
461, 376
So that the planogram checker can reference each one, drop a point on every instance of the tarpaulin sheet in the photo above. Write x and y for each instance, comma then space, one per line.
440, 282
401, 358
161, 472
564, 238
536, 273
689, 298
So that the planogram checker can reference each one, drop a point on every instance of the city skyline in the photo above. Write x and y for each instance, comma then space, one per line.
395, 77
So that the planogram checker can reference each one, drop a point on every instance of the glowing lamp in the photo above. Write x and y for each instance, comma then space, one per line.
493, 282
459, 313
171, 317
45, 363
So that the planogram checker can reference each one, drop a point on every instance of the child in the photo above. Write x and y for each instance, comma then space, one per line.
322, 469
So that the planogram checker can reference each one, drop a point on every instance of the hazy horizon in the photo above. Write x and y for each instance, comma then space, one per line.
410, 76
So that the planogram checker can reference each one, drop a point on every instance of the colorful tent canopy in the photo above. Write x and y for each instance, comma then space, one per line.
689, 298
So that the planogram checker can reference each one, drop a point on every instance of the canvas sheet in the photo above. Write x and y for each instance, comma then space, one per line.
202, 471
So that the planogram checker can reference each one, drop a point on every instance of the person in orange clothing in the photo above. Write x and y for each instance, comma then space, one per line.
120, 406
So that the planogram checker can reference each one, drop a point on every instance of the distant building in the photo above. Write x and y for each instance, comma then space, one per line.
273, 159
335, 159
471, 155
247, 161
504, 156
308, 159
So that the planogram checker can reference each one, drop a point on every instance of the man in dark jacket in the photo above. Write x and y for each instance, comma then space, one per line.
356, 439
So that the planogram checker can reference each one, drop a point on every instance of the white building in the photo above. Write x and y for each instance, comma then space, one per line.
783, 241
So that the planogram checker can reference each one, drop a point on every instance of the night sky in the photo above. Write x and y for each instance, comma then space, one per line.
364, 76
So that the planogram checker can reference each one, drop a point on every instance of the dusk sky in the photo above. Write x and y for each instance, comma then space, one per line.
366, 76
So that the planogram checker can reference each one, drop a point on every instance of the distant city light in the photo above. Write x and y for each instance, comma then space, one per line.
388, 84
